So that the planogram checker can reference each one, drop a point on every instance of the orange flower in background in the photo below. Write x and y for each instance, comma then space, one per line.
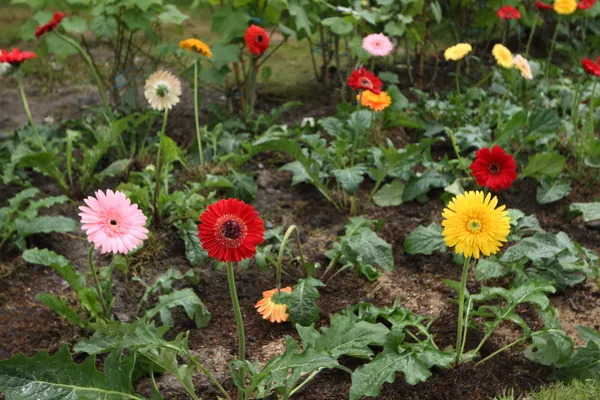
16, 57
270, 310
195, 46
256, 39
376, 102
50, 25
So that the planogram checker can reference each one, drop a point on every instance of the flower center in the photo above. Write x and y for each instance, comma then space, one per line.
162, 90
259, 38
230, 231
113, 222
474, 225
365, 82
494, 169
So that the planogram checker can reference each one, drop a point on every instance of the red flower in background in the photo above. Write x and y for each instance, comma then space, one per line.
49, 26
256, 39
494, 168
590, 66
230, 230
543, 6
16, 56
364, 79
509, 12
585, 4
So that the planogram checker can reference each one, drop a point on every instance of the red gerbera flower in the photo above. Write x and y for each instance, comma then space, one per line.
494, 168
543, 6
509, 12
15, 57
590, 66
256, 39
49, 26
364, 79
230, 230
585, 4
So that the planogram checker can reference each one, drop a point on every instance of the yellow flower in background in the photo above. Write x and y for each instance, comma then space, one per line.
503, 56
195, 46
376, 102
457, 52
565, 7
474, 225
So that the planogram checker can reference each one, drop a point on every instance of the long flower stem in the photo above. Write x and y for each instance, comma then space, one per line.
97, 282
531, 34
457, 150
28, 112
161, 134
238, 317
508, 346
547, 72
93, 70
504, 97
356, 130
461, 306
286, 238
456, 75
196, 105
209, 375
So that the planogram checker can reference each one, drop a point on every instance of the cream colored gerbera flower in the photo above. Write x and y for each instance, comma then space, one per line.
503, 56
522, 65
4, 68
162, 90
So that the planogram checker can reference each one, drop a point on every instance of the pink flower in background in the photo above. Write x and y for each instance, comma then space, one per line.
377, 44
112, 222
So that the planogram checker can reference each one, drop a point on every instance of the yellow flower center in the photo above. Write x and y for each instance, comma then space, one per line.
474, 225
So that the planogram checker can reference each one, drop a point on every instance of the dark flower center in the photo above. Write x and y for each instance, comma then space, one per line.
365, 82
231, 230
113, 222
494, 169
259, 38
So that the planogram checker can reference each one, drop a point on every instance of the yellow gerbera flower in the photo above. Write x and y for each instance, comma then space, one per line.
565, 7
503, 56
194, 45
457, 52
474, 225
270, 310
376, 102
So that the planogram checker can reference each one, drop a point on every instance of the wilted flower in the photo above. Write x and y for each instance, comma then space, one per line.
196, 46
162, 90
522, 65
274, 312
50, 25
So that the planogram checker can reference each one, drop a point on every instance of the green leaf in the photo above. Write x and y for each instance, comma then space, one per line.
194, 252
58, 377
75, 24
544, 164
390, 194
104, 26
172, 15
244, 186
298, 171
116, 168
418, 186
389, 77
186, 298
61, 307
338, 25
551, 347
544, 121
229, 24
590, 211
45, 224
169, 152
368, 248
224, 54
550, 191
350, 178
301, 306
537, 247
58, 263
425, 240
487, 269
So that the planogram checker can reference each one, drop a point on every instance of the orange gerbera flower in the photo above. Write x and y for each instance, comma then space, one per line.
376, 102
274, 312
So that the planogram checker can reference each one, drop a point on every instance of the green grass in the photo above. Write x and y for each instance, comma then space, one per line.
589, 390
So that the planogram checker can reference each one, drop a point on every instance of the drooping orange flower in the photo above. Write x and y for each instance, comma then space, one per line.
270, 310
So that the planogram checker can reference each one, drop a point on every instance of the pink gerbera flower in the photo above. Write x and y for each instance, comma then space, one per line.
112, 222
377, 44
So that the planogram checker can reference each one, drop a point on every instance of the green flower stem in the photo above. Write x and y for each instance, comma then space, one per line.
333, 262
593, 132
93, 70
356, 130
196, 105
209, 375
286, 238
28, 112
531, 34
97, 282
504, 97
485, 78
508, 346
161, 134
547, 72
238, 317
461, 306
457, 150
456, 76
466, 325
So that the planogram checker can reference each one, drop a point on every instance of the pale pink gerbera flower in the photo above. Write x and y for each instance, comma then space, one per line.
377, 44
111, 221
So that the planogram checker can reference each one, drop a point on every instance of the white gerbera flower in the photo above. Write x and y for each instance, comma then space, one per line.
4, 68
162, 90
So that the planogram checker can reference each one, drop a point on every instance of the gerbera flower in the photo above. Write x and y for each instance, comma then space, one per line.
50, 25
543, 6
377, 44
196, 46
4, 68
474, 225
509, 12
162, 90
590, 66
523, 66
112, 222
274, 312
256, 39
457, 52
376, 102
230, 230
565, 7
585, 4
363, 79
503, 56
494, 168
16, 57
